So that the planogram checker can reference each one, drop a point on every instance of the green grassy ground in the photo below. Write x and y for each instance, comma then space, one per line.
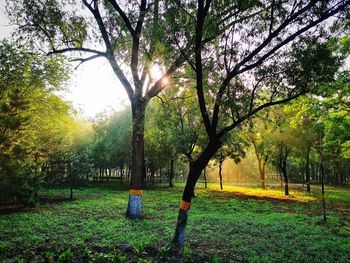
238, 224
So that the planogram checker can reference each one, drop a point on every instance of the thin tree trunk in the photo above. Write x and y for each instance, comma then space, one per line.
194, 173
121, 174
307, 171
286, 189
322, 185
262, 173
220, 173
342, 178
284, 172
171, 173
205, 178
152, 176
281, 176
70, 182
137, 163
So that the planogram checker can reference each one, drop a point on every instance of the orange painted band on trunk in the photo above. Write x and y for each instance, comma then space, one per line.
135, 192
185, 205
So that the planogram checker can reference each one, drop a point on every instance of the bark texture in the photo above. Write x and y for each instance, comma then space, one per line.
196, 168
179, 237
138, 170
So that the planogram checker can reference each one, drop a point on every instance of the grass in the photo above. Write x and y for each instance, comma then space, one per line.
239, 224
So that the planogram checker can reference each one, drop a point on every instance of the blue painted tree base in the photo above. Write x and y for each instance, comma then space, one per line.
134, 206
179, 237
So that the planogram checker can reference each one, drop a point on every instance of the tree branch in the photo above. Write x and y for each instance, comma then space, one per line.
83, 60
136, 47
109, 50
201, 14
123, 16
261, 107
271, 36
74, 49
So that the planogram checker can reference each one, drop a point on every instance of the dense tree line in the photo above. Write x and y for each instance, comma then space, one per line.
34, 122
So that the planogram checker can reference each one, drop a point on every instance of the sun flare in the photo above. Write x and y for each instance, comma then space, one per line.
165, 81
156, 72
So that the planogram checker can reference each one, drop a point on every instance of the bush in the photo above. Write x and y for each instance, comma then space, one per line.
19, 182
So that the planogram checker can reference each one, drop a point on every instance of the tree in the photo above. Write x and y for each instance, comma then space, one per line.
284, 140
259, 134
335, 116
129, 36
111, 143
175, 129
33, 121
232, 148
248, 56
304, 114
160, 147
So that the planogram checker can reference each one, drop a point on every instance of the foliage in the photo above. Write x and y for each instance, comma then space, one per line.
111, 143
250, 219
33, 121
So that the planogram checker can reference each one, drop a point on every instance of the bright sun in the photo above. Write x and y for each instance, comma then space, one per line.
157, 73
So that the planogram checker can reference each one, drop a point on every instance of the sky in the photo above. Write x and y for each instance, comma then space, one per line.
93, 87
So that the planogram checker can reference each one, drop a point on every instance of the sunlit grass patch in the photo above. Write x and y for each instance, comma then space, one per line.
263, 193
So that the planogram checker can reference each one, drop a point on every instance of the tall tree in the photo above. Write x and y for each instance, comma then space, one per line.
233, 148
305, 114
33, 121
248, 56
174, 123
259, 133
284, 140
129, 35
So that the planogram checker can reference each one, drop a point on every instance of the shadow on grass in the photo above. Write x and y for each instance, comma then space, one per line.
43, 200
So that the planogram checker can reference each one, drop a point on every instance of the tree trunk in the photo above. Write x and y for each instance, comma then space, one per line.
121, 173
307, 171
152, 176
286, 189
138, 161
262, 173
220, 173
171, 173
281, 177
194, 173
322, 186
179, 237
109, 174
342, 178
205, 178
70, 182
